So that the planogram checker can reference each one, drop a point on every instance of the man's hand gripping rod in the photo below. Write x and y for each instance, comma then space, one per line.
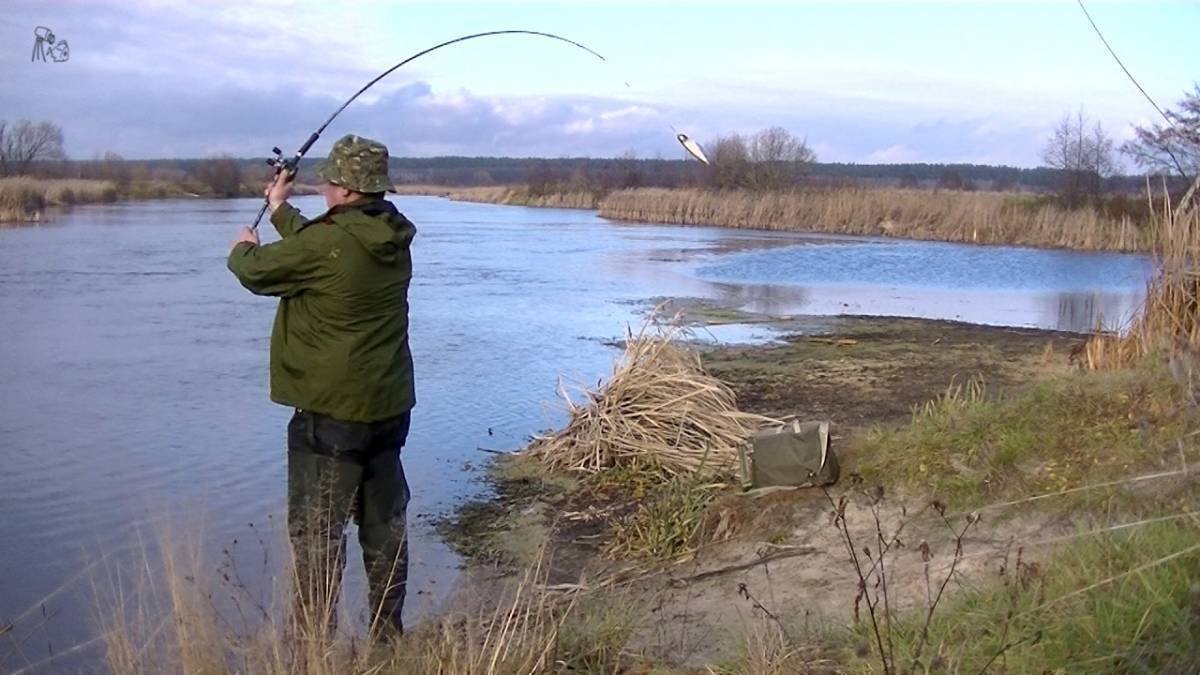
285, 166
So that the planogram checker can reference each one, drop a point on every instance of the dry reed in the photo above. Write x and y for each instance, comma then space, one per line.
24, 199
1169, 319
660, 410
519, 195
970, 217
171, 616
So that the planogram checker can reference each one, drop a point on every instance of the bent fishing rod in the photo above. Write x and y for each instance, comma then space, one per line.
290, 164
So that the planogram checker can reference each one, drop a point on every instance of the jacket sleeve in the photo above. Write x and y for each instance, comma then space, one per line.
284, 268
287, 219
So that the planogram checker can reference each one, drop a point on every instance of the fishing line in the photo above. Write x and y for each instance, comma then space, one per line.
1166, 147
289, 165
691, 146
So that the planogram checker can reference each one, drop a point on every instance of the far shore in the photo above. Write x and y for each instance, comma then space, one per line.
34, 200
1003, 218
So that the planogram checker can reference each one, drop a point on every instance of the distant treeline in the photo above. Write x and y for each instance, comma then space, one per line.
629, 172
225, 176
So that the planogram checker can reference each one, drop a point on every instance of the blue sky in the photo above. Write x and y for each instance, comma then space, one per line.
863, 82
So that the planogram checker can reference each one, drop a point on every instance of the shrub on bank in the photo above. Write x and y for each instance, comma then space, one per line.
25, 199
20, 199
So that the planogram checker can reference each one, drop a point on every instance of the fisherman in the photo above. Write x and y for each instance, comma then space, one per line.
340, 357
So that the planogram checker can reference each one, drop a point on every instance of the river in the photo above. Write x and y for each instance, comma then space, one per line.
134, 367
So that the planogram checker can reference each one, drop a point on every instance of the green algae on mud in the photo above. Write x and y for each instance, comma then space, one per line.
864, 371
510, 527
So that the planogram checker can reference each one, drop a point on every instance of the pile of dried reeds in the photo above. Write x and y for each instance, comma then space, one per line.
1169, 319
659, 411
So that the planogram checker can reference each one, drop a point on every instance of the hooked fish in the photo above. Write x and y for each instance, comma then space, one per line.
692, 147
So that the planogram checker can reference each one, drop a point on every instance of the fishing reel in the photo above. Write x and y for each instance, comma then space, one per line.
286, 166
282, 165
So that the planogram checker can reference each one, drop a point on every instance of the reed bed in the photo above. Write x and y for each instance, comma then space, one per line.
422, 189
24, 199
659, 411
1169, 320
970, 217
519, 195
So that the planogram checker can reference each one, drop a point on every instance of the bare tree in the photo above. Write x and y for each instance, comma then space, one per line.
771, 159
729, 162
1174, 147
629, 171
221, 175
1083, 156
950, 179
27, 142
779, 158
540, 178
114, 168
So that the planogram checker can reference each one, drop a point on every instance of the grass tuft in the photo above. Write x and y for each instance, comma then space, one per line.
666, 526
1057, 434
1051, 617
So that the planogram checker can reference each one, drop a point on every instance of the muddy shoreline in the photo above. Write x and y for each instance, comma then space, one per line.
861, 373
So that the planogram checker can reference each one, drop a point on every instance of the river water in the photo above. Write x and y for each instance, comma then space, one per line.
133, 371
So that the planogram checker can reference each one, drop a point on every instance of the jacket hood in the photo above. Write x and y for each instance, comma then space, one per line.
376, 223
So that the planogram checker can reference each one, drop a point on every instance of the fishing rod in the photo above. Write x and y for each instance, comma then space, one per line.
290, 164
1170, 122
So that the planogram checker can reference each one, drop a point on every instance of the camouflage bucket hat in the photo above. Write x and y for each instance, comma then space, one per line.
358, 164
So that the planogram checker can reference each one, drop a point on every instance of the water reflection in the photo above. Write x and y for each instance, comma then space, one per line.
1008, 286
1083, 312
765, 298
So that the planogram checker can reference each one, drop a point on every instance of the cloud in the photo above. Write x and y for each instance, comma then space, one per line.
159, 79
893, 154
150, 79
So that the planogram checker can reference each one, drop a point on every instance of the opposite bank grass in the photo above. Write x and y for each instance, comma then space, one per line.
970, 217
942, 215
25, 199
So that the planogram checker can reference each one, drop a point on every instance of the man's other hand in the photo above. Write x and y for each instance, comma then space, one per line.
247, 235
279, 189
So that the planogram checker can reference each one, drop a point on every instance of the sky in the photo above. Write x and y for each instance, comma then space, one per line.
866, 82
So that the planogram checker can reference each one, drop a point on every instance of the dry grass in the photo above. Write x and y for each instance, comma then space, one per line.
421, 189
971, 217
25, 199
519, 195
1169, 320
660, 411
168, 614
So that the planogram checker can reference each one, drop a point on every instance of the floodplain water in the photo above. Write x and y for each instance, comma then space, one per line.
133, 370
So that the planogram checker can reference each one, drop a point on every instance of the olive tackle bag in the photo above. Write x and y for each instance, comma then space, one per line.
797, 455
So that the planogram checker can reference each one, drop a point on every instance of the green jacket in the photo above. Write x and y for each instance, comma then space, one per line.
340, 341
